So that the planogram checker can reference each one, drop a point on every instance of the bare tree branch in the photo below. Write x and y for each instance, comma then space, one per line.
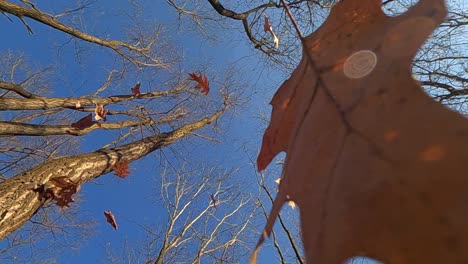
116, 45
22, 129
20, 200
34, 102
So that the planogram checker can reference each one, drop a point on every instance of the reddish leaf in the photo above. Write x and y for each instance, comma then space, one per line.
121, 169
100, 112
268, 28
375, 166
266, 25
111, 219
61, 190
84, 122
202, 82
136, 90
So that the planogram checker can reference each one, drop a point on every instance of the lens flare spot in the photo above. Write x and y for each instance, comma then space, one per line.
360, 64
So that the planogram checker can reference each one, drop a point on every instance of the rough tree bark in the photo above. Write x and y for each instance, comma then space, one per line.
19, 195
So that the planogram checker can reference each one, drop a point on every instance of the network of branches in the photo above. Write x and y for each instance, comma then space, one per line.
147, 100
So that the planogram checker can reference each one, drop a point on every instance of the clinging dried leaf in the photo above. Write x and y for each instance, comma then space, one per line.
268, 28
84, 122
100, 112
136, 90
121, 169
266, 25
61, 189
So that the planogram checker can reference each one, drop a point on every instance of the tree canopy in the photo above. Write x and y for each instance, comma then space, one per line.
176, 90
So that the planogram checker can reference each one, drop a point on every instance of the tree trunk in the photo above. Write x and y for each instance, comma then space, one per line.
21, 198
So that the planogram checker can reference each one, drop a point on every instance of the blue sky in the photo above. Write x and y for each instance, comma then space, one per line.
133, 200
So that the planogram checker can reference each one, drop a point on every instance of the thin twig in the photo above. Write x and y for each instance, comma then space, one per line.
288, 11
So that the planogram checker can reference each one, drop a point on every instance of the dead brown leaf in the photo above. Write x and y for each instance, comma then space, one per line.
110, 218
100, 112
61, 189
136, 90
84, 122
268, 28
121, 169
202, 82
376, 167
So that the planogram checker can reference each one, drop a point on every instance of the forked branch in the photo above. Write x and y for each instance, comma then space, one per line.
32, 12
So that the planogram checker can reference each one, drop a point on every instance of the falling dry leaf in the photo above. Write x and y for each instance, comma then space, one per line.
136, 90
111, 219
202, 82
100, 112
121, 169
84, 122
376, 167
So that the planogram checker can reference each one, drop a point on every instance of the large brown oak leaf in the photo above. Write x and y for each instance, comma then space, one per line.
376, 166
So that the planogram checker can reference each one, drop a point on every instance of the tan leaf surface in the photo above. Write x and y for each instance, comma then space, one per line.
376, 167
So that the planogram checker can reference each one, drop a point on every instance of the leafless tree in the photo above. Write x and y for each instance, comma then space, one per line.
209, 219
40, 161
38, 126
441, 65
286, 243
286, 238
